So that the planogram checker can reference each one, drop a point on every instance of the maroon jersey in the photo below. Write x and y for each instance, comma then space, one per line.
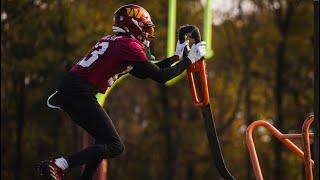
102, 65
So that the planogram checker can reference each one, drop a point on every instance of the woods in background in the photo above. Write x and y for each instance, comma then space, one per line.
262, 68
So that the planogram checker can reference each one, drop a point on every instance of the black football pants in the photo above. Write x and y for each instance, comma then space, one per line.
77, 98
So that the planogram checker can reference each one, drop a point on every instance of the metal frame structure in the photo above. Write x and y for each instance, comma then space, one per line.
285, 139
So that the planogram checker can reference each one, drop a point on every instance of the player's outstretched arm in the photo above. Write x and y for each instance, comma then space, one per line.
147, 69
167, 62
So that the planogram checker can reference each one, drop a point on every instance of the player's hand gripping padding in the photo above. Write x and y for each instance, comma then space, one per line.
197, 51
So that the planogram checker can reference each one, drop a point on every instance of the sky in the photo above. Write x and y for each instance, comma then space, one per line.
223, 9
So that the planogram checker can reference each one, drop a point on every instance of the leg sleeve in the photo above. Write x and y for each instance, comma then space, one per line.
88, 114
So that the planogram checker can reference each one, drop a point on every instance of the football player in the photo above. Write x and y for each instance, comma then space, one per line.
113, 55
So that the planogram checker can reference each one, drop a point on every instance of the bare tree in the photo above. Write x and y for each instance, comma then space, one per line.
283, 11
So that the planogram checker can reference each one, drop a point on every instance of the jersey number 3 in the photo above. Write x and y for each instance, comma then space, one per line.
99, 49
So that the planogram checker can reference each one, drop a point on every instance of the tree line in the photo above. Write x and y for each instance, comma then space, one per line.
262, 68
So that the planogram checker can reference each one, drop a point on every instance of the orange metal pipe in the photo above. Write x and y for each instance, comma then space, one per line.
297, 136
274, 132
307, 152
252, 151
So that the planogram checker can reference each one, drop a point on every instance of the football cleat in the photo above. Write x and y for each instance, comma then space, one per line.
49, 168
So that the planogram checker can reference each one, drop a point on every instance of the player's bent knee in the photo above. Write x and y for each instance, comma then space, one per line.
112, 150
119, 149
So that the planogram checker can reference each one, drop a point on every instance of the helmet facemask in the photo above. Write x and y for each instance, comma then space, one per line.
143, 31
147, 33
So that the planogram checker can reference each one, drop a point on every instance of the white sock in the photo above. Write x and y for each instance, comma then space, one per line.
62, 163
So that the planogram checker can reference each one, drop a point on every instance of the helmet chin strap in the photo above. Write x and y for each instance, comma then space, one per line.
116, 29
135, 22
146, 43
